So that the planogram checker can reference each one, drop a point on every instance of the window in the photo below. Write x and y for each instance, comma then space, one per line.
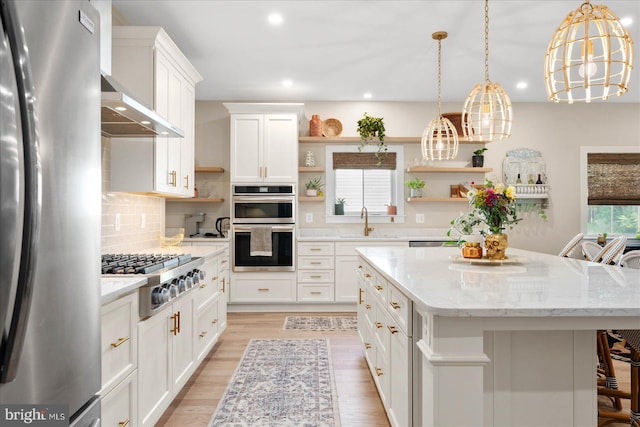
362, 180
610, 178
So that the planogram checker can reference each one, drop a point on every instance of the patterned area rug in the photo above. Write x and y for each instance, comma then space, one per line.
281, 382
320, 323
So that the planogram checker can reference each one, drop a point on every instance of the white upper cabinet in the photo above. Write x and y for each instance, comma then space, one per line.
149, 65
264, 142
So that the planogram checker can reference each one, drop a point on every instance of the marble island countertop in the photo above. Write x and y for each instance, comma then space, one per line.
537, 286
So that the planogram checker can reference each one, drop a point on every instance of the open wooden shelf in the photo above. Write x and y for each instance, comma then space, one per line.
310, 199
447, 170
318, 169
195, 199
211, 169
437, 199
387, 140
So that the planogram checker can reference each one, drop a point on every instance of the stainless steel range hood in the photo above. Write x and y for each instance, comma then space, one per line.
123, 116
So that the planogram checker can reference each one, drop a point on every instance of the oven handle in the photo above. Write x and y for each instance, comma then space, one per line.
275, 227
272, 199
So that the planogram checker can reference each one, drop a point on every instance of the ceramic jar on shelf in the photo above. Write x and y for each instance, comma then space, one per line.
315, 126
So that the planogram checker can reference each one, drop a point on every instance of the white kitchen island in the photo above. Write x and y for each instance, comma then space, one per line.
497, 345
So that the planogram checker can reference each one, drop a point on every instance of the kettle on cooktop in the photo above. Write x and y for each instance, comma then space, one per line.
222, 226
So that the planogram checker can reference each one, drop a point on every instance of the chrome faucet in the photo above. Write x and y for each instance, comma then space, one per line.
364, 213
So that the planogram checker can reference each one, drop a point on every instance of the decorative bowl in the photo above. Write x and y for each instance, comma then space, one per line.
331, 127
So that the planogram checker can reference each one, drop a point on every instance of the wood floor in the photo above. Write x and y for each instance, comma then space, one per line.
357, 397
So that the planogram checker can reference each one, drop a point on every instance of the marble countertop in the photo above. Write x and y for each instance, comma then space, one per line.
538, 285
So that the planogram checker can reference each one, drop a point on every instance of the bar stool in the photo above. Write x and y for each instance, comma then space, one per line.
567, 251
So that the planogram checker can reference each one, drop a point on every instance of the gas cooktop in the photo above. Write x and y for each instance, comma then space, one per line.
141, 263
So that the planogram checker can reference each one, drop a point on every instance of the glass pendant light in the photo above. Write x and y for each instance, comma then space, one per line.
487, 111
440, 137
590, 56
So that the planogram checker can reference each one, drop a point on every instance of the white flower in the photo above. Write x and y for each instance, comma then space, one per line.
498, 188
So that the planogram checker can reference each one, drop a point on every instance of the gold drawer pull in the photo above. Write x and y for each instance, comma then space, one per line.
368, 306
119, 342
202, 286
359, 266
263, 289
315, 293
367, 275
378, 325
214, 321
379, 372
315, 249
315, 262
378, 287
202, 334
124, 423
392, 329
367, 345
223, 282
214, 278
395, 305
315, 276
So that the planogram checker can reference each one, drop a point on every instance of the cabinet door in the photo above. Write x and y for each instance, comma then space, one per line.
346, 288
246, 147
209, 286
182, 342
400, 379
223, 288
188, 142
164, 181
119, 340
280, 148
119, 407
154, 367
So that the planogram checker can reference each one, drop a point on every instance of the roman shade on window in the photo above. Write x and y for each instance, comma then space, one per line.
364, 161
613, 178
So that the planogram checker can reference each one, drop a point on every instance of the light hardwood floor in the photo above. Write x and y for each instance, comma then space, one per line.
357, 396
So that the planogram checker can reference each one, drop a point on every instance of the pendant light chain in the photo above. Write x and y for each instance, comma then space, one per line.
439, 74
486, 41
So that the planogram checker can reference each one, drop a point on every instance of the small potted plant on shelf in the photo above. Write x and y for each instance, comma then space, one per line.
415, 185
339, 206
477, 160
313, 186
370, 127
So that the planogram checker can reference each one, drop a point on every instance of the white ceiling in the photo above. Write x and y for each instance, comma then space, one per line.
338, 50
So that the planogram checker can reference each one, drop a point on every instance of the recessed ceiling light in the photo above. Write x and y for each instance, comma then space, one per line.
275, 18
626, 21
367, 95
522, 85
145, 122
287, 83
121, 109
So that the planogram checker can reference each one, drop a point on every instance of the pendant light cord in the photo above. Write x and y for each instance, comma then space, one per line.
486, 41
439, 73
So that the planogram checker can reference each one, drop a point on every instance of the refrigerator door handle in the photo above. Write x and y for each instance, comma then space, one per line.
11, 347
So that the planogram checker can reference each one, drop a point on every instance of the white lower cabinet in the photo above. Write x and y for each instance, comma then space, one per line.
120, 405
385, 328
263, 288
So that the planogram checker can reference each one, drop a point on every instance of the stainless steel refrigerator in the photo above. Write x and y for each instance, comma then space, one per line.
50, 208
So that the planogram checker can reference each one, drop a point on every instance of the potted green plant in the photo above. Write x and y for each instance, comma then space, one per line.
312, 186
370, 127
477, 160
339, 206
415, 185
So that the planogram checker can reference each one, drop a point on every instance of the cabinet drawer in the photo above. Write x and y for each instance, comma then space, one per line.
400, 309
315, 248
119, 405
315, 262
255, 287
119, 340
315, 293
223, 261
380, 286
206, 328
315, 276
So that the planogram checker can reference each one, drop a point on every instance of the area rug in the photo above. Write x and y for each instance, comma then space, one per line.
281, 382
320, 323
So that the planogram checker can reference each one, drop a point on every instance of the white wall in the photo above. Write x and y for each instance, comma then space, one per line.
557, 130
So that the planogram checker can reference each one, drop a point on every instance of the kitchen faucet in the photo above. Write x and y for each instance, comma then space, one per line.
364, 213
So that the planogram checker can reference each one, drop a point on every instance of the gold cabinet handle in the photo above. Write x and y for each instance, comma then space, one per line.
203, 285
314, 263
367, 345
379, 372
172, 181
119, 342
360, 296
315, 293
378, 287
263, 289
223, 283
378, 325
265, 171
315, 249
202, 334
186, 179
359, 267
367, 275
315, 276
175, 324
260, 171
395, 305
124, 423
178, 322
368, 306
392, 329
214, 278
214, 321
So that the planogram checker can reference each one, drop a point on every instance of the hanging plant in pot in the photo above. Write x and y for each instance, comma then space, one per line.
477, 160
370, 128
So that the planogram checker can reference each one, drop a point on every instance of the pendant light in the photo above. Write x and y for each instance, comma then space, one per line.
590, 56
487, 111
440, 137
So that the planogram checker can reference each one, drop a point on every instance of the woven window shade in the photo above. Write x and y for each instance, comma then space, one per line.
613, 178
364, 161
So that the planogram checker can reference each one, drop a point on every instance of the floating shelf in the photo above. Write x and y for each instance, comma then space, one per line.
195, 200
211, 169
310, 199
310, 169
447, 170
437, 199
387, 140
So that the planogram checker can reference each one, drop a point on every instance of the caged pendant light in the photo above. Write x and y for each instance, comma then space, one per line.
487, 111
440, 137
590, 56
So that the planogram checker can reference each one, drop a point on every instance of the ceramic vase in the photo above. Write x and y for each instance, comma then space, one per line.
496, 246
415, 192
309, 159
315, 126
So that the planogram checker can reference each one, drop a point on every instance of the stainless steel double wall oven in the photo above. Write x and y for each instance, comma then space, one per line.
263, 206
